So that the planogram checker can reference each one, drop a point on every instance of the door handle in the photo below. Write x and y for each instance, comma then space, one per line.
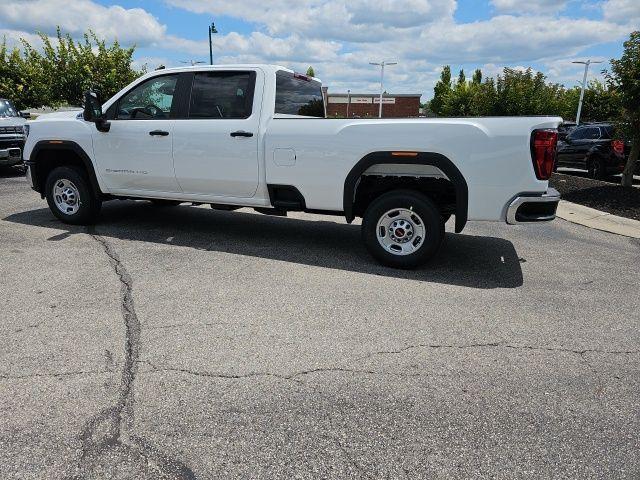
160, 133
241, 133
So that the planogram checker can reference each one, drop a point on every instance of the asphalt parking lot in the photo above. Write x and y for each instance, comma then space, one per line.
183, 343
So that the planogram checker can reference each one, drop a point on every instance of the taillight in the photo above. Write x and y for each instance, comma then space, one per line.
618, 146
543, 152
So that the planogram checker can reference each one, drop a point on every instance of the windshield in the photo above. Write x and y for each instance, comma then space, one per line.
7, 109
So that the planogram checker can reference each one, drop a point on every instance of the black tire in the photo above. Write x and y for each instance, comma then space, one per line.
159, 202
596, 169
87, 202
419, 206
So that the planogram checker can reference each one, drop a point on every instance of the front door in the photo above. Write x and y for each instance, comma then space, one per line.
135, 155
591, 137
215, 148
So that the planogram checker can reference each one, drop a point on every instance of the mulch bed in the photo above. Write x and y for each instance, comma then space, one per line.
608, 197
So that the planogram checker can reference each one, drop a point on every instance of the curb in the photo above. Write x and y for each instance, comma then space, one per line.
592, 218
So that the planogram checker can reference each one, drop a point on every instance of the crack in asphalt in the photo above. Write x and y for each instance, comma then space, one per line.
294, 376
54, 374
581, 352
107, 439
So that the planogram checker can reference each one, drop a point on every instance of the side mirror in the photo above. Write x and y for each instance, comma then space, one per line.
93, 111
25, 115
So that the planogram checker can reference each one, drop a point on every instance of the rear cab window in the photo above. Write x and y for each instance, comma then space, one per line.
298, 95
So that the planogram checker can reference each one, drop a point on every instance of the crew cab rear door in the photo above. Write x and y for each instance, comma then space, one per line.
215, 147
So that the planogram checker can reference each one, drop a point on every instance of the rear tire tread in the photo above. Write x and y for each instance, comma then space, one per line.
424, 207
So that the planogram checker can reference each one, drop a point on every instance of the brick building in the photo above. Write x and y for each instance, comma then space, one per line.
366, 105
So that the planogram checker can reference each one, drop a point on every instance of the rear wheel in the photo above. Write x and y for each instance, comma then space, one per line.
596, 168
402, 229
70, 196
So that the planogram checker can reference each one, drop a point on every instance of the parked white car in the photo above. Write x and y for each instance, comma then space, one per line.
12, 134
256, 136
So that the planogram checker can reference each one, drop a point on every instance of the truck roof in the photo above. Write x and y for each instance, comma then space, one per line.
264, 66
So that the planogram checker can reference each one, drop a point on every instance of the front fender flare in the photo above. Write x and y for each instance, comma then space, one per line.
59, 145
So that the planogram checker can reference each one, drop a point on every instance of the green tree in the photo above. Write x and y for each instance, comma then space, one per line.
310, 72
459, 101
441, 91
461, 78
477, 77
61, 71
601, 103
625, 79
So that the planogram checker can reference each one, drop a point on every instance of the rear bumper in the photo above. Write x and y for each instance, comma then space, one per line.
530, 208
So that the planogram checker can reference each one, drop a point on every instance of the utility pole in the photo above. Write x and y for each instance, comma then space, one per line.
348, 101
584, 85
382, 65
212, 29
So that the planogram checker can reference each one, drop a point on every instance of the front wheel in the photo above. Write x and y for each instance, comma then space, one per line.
402, 229
70, 196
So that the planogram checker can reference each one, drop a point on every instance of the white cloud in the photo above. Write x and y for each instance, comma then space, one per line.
352, 20
539, 7
340, 37
570, 74
511, 39
622, 11
129, 26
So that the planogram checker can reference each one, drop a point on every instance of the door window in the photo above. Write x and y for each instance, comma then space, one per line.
592, 133
222, 95
151, 100
578, 134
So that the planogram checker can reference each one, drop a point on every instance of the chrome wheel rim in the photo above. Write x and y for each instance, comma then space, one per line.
66, 196
400, 231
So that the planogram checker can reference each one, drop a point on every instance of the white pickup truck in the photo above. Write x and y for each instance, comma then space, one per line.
256, 136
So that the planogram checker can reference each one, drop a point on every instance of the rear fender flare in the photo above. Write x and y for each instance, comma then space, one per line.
422, 158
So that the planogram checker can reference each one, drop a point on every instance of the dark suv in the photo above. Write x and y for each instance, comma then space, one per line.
593, 147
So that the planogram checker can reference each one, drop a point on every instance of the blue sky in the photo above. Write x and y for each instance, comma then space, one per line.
340, 37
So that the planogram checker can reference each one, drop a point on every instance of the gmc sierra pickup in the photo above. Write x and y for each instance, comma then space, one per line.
256, 136
12, 130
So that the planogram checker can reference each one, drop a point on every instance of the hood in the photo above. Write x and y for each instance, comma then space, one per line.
11, 121
57, 115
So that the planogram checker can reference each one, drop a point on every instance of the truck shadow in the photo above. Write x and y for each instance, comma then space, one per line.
464, 260
11, 172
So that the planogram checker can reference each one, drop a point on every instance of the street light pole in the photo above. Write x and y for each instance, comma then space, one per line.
584, 85
212, 29
348, 101
382, 65
193, 63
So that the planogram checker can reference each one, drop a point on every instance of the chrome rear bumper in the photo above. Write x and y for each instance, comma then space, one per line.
529, 208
